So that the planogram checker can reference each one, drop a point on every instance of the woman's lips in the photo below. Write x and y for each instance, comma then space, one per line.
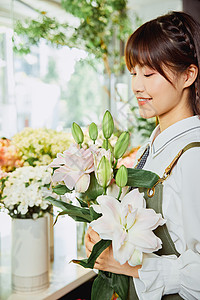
142, 101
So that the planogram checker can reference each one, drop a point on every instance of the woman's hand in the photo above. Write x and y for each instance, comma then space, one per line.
106, 261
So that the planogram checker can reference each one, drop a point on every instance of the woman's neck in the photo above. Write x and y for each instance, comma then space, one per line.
167, 120
164, 123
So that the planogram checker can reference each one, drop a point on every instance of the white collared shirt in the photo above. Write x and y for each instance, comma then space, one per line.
162, 275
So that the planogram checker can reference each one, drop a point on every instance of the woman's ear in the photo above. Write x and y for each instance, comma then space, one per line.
190, 75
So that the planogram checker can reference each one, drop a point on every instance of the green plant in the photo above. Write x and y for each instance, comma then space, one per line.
100, 24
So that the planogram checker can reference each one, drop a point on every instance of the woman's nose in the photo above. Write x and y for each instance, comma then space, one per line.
137, 84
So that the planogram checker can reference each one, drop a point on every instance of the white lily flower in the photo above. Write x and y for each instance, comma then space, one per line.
74, 167
129, 225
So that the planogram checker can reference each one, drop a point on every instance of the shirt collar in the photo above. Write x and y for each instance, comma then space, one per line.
177, 130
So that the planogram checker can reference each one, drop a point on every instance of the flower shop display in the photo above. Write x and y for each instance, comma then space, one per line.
9, 156
40, 146
117, 214
24, 198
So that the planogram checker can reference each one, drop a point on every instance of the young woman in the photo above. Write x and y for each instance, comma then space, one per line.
163, 57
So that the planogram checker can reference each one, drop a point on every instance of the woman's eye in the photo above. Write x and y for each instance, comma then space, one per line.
133, 74
148, 75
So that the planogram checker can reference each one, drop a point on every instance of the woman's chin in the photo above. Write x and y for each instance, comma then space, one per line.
146, 114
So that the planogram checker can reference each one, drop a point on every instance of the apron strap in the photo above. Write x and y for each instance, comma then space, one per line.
175, 160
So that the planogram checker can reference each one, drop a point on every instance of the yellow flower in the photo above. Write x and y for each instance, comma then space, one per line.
40, 146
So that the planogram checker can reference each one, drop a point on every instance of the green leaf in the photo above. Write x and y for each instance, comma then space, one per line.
77, 213
55, 202
102, 288
94, 214
107, 283
94, 189
31, 160
74, 215
120, 284
141, 178
96, 251
61, 189
82, 203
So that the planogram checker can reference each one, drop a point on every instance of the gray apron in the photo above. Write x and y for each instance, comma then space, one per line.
153, 199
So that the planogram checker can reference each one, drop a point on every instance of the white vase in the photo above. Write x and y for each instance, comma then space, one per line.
30, 255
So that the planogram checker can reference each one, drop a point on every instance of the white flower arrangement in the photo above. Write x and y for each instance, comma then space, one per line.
25, 191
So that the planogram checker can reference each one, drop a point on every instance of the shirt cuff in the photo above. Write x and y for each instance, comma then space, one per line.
159, 275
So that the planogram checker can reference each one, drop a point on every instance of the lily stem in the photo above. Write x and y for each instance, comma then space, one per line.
120, 192
106, 144
104, 190
115, 164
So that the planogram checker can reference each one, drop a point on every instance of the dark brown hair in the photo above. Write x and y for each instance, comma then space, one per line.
172, 40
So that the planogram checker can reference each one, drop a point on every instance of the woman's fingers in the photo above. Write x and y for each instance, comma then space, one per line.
91, 238
89, 245
94, 237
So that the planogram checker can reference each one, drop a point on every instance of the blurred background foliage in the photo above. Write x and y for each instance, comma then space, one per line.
101, 28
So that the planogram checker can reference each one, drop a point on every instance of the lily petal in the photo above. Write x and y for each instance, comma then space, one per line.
148, 219
136, 258
135, 198
110, 207
104, 227
124, 253
83, 183
146, 240
97, 208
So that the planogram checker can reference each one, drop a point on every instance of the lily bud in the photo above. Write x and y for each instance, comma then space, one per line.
121, 145
93, 131
104, 172
77, 133
107, 125
121, 177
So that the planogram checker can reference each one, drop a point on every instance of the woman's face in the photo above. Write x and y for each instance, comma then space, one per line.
158, 97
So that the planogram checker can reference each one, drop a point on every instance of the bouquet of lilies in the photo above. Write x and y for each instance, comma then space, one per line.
118, 215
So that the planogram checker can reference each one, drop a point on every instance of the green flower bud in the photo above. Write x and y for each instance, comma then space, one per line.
104, 172
121, 177
107, 125
93, 131
77, 133
121, 145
